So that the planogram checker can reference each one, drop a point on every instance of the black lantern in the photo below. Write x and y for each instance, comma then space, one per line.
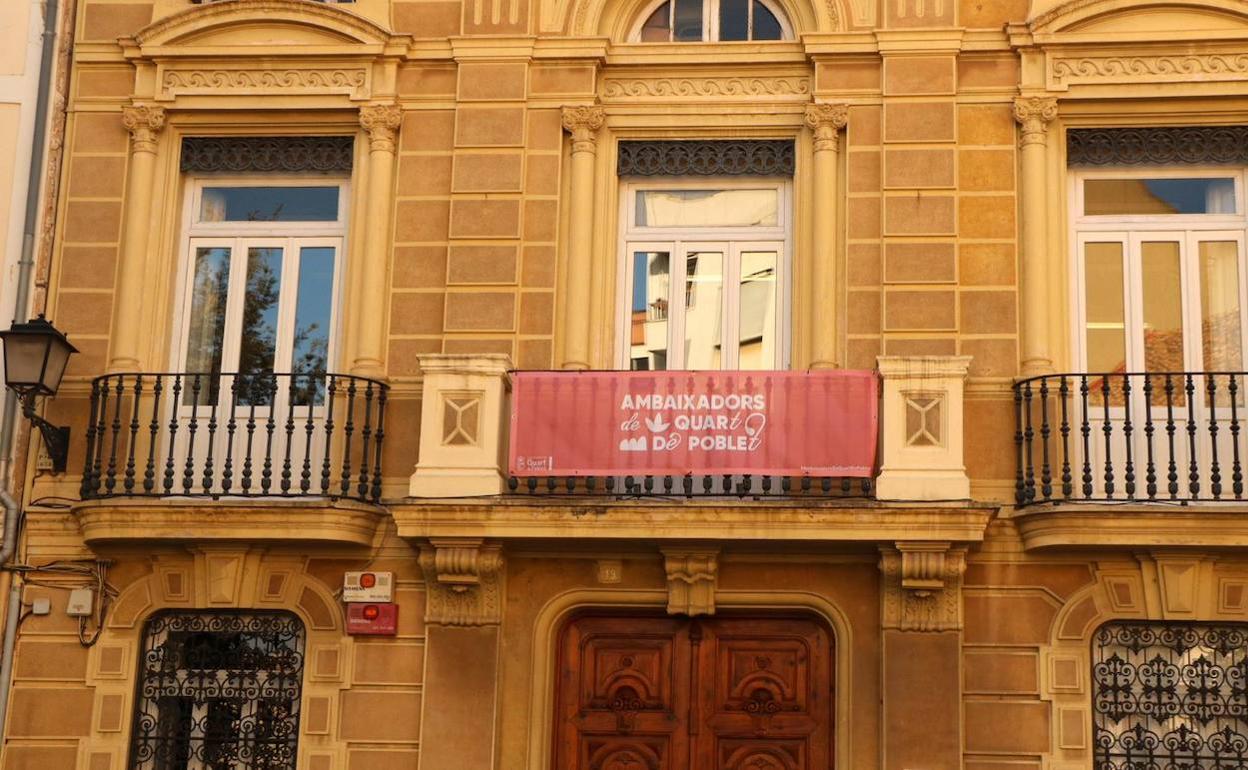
35, 355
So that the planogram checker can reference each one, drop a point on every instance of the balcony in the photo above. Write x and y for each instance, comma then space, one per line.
1124, 458
217, 453
850, 456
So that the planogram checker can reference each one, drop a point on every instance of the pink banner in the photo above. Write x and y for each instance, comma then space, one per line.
820, 423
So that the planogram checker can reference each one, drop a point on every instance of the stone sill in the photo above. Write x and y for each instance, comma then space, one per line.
304, 520
613, 519
1123, 525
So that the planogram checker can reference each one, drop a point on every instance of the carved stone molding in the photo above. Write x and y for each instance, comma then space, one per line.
382, 122
267, 154
144, 123
826, 120
1034, 113
922, 586
768, 88
352, 81
1126, 69
463, 582
1168, 146
692, 576
583, 123
728, 157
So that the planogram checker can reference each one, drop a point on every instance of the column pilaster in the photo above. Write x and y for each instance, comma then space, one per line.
826, 122
381, 122
583, 123
1034, 114
144, 123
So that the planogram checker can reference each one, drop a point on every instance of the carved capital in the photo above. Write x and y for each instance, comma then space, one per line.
583, 124
826, 120
922, 586
144, 123
382, 122
463, 582
1034, 113
692, 576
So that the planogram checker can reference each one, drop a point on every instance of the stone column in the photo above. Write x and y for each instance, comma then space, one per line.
1034, 115
583, 123
826, 121
465, 595
144, 124
921, 619
382, 122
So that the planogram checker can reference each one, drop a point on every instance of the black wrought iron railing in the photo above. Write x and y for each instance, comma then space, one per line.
1130, 437
235, 434
694, 486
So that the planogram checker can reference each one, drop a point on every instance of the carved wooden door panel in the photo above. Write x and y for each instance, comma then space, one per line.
644, 693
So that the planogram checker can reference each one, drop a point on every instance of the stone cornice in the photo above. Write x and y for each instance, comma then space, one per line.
1132, 526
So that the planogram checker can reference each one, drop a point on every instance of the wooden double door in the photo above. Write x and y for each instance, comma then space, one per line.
725, 693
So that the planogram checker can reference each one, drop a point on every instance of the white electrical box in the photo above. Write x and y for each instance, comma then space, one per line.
41, 607
79, 605
368, 587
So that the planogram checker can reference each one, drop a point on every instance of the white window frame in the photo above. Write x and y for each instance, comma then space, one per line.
678, 241
290, 236
710, 23
1130, 230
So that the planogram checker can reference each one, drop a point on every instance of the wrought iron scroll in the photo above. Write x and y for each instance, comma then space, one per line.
267, 154
1170, 695
1170, 146
219, 690
754, 157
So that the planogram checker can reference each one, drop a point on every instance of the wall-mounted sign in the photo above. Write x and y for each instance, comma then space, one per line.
821, 423
368, 587
380, 619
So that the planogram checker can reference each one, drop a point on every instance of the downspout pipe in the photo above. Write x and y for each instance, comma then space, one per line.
8, 420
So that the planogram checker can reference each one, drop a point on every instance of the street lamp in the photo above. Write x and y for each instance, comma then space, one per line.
35, 355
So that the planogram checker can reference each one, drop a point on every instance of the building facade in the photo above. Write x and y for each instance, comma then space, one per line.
310, 252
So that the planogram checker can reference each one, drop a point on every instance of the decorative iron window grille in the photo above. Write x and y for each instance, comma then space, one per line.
1170, 146
218, 691
1170, 696
267, 154
753, 157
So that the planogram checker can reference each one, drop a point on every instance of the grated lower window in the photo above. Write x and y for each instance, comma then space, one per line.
1170, 696
218, 691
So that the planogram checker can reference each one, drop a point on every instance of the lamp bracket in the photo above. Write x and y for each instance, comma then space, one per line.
55, 438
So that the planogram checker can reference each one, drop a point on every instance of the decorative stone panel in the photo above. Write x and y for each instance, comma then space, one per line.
267, 154
463, 582
922, 586
757, 157
921, 432
1178, 145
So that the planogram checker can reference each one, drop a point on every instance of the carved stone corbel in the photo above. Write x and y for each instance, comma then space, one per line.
922, 586
692, 576
463, 582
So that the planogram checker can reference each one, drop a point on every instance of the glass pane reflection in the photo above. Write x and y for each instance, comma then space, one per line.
708, 208
313, 310
704, 289
758, 310
258, 341
648, 325
269, 204
734, 19
1107, 197
210, 284
1220, 317
688, 22
1163, 306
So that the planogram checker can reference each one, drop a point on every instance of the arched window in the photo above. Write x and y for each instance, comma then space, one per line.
681, 21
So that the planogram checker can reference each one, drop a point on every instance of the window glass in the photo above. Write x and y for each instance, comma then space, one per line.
1220, 317
704, 298
708, 208
1163, 306
269, 204
313, 308
658, 28
734, 19
757, 331
258, 342
1106, 321
766, 25
1158, 196
688, 22
648, 329
210, 283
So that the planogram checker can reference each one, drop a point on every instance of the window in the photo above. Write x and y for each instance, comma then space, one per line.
679, 21
705, 274
218, 691
262, 276
1170, 695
